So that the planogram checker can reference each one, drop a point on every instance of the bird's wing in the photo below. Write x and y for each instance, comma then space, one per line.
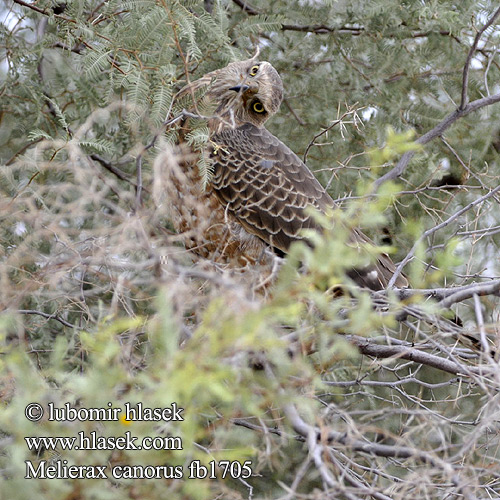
265, 185
267, 188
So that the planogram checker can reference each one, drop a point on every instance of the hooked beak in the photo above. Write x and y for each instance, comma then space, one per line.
251, 88
240, 88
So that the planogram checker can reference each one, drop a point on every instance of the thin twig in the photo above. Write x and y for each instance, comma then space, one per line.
369, 348
319, 134
138, 186
22, 150
42, 11
466, 167
465, 80
246, 7
463, 110
480, 323
109, 166
294, 113
321, 29
436, 132
332, 125
48, 316
432, 230
491, 287
380, 450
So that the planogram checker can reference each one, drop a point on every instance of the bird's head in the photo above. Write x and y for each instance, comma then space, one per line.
243, 91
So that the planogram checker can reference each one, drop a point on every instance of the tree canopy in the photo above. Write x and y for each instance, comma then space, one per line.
287, 389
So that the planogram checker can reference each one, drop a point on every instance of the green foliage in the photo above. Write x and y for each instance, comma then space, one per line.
396, 145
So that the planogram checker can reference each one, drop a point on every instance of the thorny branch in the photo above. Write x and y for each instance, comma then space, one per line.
381, 450
463, 109
369, 348
352, 110
432, 230
436, 132
48, 316
466, 291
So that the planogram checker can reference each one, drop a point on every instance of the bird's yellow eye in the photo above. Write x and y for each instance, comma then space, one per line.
254, 69
258, 107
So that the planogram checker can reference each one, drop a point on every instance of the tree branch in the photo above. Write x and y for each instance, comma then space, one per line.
350, 111
381, 450
48, 316
463, 110
465, 80
306, 432
109, 166
246, 7
369, 348
42, 11
478, 289
32, 7
432, 230
491, 287
322, 29
436, 132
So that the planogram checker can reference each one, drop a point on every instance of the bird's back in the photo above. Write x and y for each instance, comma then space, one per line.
267, 188
265, 185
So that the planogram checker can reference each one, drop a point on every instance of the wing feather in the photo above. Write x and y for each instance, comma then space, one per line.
267, 188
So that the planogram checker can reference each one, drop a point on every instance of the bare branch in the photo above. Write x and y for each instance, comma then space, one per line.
432, 230
77, 49
294, 113
465, 167
436, 132
479, 34
138, 186
392, 384
480, 322
491, 287
322, 29
350, 111
463, 110
32, 7
42, 11
369, 348
48, 316
109, 166
381, 450
479, 289
246, 7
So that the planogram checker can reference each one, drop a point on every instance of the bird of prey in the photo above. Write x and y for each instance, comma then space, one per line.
259, 185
